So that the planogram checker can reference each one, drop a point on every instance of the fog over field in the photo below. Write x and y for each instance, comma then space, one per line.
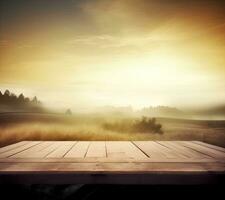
17, 127
23, 118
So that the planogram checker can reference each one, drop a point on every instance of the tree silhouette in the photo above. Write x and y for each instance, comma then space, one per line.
7, 93
21, 97
34, 100
68, 112
9, 101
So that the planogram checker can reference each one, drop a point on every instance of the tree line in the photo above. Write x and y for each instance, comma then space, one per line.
9, 100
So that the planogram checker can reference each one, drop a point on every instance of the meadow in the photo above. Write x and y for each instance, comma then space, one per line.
15, 127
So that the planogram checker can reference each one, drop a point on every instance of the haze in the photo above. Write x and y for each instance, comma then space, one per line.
88, 53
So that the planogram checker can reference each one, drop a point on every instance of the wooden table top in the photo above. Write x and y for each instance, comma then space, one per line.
114, 162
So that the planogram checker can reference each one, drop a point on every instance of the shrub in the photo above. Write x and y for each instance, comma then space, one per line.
143, 125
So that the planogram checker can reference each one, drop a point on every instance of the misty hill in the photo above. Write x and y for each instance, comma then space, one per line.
211, 112
161, 111
115, 109
10, 102
158, 111
216, 112
219, 110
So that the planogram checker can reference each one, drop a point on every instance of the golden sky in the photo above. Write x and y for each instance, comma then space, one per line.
86, 53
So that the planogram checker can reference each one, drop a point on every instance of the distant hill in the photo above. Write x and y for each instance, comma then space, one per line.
211, 112
216, 112
161, 111
158, 111
10, 102
115, 109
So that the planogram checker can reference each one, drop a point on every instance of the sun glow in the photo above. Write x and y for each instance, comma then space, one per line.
133, 55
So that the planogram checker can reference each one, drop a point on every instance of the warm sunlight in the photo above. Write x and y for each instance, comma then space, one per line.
98, 94
148, 58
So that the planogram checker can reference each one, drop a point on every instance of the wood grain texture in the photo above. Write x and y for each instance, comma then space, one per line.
187, 152
123, 150
203, 149
37, 151
210, 146
62, 150
79, 150
17, 150
96, 150
114, 162
113, 167
12, 146
152, 150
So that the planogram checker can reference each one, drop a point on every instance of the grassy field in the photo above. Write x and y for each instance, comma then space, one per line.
23, 126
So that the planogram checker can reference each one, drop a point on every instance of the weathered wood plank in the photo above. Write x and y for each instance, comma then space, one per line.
151, 150
46, 151
144, 162
79, 150
202, 149
62, 150
189, 153
19, 149
109, 160
210, 146
167, 151
96, 149
123, 149
112, 167
33, 152
12, 146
